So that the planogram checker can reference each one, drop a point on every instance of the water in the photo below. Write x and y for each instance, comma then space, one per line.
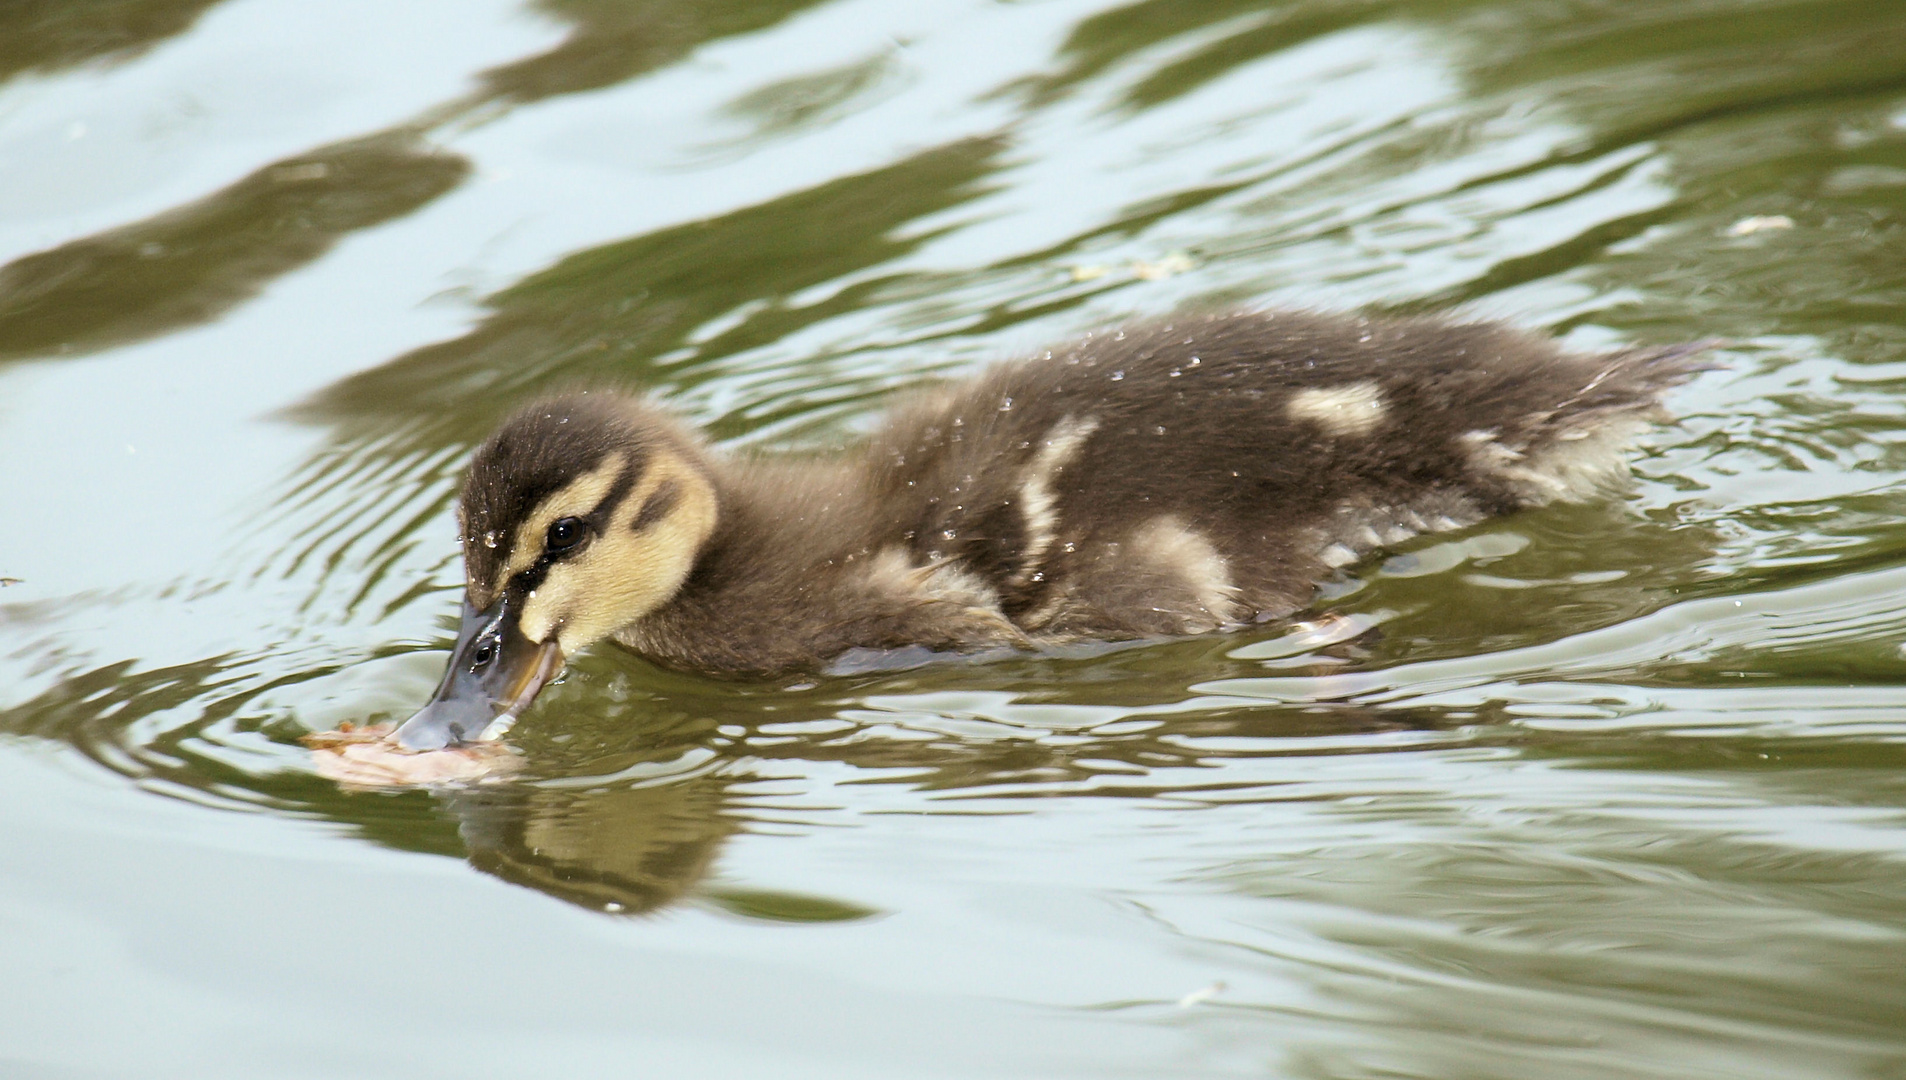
1615, 791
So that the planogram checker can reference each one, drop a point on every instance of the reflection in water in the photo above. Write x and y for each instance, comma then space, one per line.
626, 849
614, 40
1536, 938
1257, 29
192, 264
1740, 107
602, 316
45, 35
806, 102
633, 845
1649, 69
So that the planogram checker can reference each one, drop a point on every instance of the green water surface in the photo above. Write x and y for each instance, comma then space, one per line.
1612, 791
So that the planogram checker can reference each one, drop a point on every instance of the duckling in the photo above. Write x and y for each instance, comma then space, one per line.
1170, 478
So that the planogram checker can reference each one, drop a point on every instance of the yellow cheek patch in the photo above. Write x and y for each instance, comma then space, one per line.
624, 574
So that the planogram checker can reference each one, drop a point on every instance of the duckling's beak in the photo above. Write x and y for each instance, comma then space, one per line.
494, 674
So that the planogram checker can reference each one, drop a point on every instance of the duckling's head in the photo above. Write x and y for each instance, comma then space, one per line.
579, 516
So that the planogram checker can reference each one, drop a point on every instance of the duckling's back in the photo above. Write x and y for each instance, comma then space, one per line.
1184, 476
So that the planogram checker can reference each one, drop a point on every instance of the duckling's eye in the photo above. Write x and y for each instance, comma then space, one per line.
485, 653
565, 533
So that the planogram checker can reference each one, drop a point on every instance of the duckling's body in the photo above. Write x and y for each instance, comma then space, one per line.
1168, 479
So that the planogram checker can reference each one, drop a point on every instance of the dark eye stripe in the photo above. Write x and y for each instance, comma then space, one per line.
598, 514
667, 494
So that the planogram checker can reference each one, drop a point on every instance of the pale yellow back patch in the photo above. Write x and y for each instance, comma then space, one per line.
1037, 502
1582, 465
1169, 544
1351, 409
892, 572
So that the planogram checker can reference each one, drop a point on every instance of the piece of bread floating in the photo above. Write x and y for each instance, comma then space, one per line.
369, 758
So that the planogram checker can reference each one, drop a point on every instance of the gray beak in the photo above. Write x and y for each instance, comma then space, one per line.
494, 674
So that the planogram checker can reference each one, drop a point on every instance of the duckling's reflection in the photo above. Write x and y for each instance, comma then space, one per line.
631, 849
635, 847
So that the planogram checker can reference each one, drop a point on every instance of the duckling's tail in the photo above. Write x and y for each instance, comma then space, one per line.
1676, 364
1633, 380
